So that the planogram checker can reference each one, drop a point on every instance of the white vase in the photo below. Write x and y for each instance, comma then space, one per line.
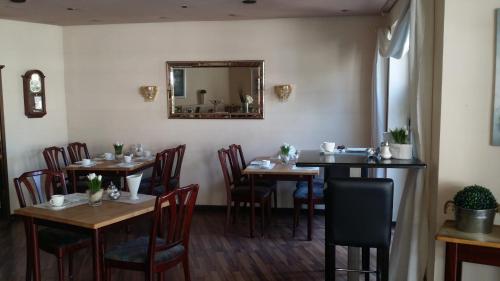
133, 183
401, 151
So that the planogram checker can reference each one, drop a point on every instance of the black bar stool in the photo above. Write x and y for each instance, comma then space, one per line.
359, 214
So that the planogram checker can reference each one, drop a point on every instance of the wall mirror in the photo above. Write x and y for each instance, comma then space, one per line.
215, 89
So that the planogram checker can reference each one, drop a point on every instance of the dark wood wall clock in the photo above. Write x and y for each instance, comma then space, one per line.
34, 94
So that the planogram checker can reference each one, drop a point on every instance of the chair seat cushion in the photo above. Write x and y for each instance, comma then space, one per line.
51, 239
316, 182
301, 192
136, 251
242, 193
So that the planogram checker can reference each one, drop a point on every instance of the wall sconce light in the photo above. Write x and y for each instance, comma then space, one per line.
149, 93
283, 91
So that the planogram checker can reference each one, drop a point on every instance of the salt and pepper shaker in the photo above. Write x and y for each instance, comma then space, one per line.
113, 192
385, 151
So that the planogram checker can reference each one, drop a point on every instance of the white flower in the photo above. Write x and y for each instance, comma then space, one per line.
99, 177
91, 176
248, 98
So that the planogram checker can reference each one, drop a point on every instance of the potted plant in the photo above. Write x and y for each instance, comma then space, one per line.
95, 191
118, 146
400, 147
475, 208
287, 151
201, 96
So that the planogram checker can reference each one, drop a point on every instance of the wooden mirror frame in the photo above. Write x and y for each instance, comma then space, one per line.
29, 100
217, 115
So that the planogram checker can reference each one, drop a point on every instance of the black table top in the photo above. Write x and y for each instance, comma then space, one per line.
314, 158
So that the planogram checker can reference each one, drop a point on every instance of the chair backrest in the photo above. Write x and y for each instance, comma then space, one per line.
38, 186
238, 163
179, 156
226, 160
172, 219
162, 168
78, 151
359, 212
55, 158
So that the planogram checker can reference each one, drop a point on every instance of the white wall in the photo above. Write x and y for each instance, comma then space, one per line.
28, 46
329, 60
466, 156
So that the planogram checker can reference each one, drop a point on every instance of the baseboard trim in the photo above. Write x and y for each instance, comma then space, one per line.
222, 208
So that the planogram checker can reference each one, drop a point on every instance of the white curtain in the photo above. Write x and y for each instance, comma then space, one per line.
389, 44
413, 238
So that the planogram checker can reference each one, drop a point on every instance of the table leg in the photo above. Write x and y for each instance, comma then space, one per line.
452, 263
73, 175
35, 250
353, 262
125, 185
252, 205
97, 258
310, 207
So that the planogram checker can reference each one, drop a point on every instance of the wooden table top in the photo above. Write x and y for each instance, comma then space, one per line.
448, 233
280, 169
111, 165
314, 158
86, 216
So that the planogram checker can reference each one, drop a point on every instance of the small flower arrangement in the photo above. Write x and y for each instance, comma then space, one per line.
287, 149
400, 135
94, 182
118, 147
95, 191
246, 98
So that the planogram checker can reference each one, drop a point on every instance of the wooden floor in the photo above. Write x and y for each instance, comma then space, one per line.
213, 255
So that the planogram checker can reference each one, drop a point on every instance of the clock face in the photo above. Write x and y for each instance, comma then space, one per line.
35, 83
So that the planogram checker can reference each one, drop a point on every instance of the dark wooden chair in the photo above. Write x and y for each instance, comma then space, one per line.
300, 198
78, 151
240, 164
359, 214
158, 184
34, 188
241, 193
55, 158
168, 242
174, 180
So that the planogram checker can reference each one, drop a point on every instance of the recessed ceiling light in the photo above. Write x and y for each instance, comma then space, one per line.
345, 11
232, 15
18, 1
164, 18
184, 6
249, 1
72, 9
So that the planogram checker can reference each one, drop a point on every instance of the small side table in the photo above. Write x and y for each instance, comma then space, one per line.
469, 247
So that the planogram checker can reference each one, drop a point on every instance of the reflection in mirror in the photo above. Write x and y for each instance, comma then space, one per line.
208, 90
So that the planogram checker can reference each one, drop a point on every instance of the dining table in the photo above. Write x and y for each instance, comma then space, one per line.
115, 167
339, 164
79, 216
281, 171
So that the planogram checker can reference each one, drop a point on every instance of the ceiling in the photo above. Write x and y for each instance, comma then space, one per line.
86, 12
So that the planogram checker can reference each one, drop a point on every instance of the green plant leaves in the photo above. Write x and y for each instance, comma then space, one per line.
475, 197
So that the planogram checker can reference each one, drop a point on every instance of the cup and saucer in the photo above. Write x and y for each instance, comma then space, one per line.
328, 148
57, 202
108, 156
86, 163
